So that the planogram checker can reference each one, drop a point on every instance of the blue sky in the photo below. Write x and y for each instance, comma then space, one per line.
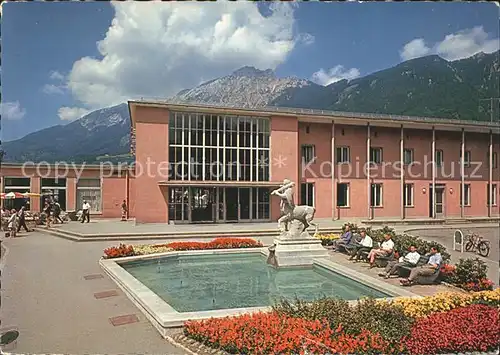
46, 82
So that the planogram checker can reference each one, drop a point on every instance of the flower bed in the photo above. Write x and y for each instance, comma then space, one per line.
219, 243
468, 274
427, 325
327, 238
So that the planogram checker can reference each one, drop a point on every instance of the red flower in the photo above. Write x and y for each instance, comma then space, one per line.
469, 329
119, 251
219, 243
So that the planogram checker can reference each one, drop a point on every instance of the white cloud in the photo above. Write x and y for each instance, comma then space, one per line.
459, 45
12, 110
334, 74
157, 49
51, 89
414, 49
55, 75
71, 113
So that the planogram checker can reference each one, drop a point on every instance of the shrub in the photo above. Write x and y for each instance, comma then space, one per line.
272, 333
424, 306
386, 319
472, 328
119, 251
219, 243
469, 271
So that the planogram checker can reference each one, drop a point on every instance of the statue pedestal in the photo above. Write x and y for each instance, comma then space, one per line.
297, 252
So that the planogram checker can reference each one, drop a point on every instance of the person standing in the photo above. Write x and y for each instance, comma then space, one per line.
22, 220
124, 211
57, 212
85, 211
12, 223
48, 214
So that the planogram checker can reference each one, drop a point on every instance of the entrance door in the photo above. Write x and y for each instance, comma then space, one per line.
202, 204
231, 204
244, 202
436, 198
439, 202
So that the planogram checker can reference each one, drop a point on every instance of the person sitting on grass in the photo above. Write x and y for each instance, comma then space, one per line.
344, 239
364, 245
411, 259
428, 269
385, 249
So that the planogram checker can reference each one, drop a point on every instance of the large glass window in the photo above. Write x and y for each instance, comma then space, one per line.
90, 191
20, 185
218, 147
55, 190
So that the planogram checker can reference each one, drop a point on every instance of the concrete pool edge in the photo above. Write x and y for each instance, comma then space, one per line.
163, 316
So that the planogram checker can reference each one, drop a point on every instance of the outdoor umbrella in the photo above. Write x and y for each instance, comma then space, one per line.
12, 195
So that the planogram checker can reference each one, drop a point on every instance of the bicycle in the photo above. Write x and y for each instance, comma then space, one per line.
477, 244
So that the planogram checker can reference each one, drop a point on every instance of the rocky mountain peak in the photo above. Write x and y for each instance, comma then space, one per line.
252, 72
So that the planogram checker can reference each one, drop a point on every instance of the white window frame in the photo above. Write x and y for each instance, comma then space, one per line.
345, 155
411, 152
308, 149
379, 194
409, 190
92, 188
439, 162
348, 190
374, 151
308, 186
465, 200
492, 195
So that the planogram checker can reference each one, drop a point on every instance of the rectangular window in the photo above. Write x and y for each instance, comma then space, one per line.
218, 147
343, 155
342, 195
19, 185
465, 199
90, 191
307, 194
376, 155
493, 195
439, 158
408, 195
494, 160
376, 195
467, 158
308, 153
407, 156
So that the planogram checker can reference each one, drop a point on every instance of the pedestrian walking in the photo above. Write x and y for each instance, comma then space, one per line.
12, 224
124, 211
22, 220
85, 212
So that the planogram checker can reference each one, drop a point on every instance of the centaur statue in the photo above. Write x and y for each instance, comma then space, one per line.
290, 212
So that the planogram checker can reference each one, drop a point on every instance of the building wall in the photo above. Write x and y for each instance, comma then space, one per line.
151, 151
285, 156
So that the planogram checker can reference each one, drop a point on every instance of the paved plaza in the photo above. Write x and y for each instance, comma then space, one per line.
51, 294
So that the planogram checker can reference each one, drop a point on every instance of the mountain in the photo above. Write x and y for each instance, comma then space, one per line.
104, 131
427, 86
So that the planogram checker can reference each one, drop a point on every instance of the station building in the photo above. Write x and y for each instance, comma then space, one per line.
207, 164
223, 162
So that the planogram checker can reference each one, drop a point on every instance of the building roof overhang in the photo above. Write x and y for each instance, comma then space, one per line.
323, 116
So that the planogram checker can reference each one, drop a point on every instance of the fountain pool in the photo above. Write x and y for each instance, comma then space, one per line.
174, 287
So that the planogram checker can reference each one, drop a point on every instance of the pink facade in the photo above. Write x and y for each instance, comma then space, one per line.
338, 180
110, 188
405, 187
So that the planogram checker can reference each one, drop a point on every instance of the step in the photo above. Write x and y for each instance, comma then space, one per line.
171, 235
